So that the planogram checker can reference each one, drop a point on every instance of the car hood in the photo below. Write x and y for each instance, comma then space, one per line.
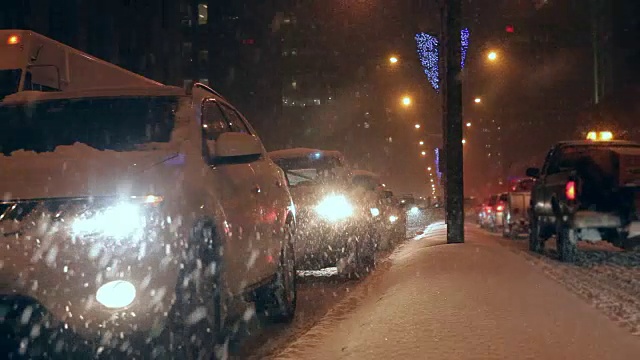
82, 171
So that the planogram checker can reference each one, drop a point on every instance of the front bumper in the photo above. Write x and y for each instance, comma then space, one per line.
320, 243
61, 277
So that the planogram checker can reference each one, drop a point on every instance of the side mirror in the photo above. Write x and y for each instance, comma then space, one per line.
234, 145
533, 173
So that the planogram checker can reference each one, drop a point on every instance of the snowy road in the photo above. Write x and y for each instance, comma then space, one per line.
604, 276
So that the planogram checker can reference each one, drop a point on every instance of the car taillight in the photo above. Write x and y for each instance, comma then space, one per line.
488, 209
570, 190
500, 208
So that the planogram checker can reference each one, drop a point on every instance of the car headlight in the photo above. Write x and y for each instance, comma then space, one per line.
334, 208
393, 219
375, 212
126, 219
116, 294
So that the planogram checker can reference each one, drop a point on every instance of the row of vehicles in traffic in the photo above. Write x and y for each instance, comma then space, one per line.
144, 220
586, 191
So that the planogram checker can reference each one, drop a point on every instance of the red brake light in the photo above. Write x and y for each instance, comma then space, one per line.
570, 190
500, 208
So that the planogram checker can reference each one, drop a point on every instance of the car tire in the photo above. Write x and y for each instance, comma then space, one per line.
566, 244
535, 241
506, 230
194, 326
277, 302
362, 253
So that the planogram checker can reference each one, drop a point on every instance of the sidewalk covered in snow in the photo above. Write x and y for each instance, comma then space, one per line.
475, 300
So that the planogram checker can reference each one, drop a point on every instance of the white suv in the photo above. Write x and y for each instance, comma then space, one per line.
138, 217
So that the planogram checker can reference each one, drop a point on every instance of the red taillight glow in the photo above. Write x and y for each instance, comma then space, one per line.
570, 190
500, 208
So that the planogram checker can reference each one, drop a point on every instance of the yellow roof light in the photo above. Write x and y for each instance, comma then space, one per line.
606, 135
13, 40
600, 136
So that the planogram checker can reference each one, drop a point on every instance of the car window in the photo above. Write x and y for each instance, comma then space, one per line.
235, 120
213, 122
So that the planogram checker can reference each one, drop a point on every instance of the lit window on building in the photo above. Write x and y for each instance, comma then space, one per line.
294, 84
294, 52
203, 14
316, 101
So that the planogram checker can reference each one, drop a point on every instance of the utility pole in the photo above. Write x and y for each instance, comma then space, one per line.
452, 119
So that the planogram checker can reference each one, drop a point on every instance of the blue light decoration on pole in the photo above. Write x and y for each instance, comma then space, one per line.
438, 170
430, 57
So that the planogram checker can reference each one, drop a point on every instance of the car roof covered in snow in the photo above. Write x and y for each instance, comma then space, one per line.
36, 96
298, 153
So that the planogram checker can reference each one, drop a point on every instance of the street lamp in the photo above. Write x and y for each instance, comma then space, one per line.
477, 100
417, 126
492, 56
429, 168
424, 153
464, 141
421, 142
393, 60
468, 124
406, 101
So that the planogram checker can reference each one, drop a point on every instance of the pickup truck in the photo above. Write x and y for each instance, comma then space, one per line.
586, 191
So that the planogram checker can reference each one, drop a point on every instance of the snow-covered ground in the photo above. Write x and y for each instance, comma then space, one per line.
476, 300
604, 276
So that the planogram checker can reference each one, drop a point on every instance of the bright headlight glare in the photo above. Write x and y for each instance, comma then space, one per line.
375, 212
393, 219
415, 210
120, 221
116, 294
334, 208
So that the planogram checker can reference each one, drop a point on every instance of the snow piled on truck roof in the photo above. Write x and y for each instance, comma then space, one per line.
23, 97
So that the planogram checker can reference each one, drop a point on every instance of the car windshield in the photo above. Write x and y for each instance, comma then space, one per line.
119, 124
311, 171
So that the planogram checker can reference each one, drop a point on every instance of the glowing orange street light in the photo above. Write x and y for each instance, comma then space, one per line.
393, 59
417, 126
492, 56
464, 141
421, 142
468, 124
477, 100
406, 101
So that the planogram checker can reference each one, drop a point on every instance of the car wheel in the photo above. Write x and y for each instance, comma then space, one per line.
535, 242
566, 243
278, 300
194, 327
506, 230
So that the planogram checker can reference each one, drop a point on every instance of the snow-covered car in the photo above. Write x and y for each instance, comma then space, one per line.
371, 184
129, 217
335, 222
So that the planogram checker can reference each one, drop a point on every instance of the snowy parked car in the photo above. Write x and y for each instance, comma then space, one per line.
138, 217
336, 224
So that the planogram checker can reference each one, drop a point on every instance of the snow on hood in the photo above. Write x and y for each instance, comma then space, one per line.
79, 170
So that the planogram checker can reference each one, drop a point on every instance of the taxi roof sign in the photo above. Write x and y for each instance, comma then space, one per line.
600, 136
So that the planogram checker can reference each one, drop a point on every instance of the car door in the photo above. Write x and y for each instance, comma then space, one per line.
271, 192
238, 197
